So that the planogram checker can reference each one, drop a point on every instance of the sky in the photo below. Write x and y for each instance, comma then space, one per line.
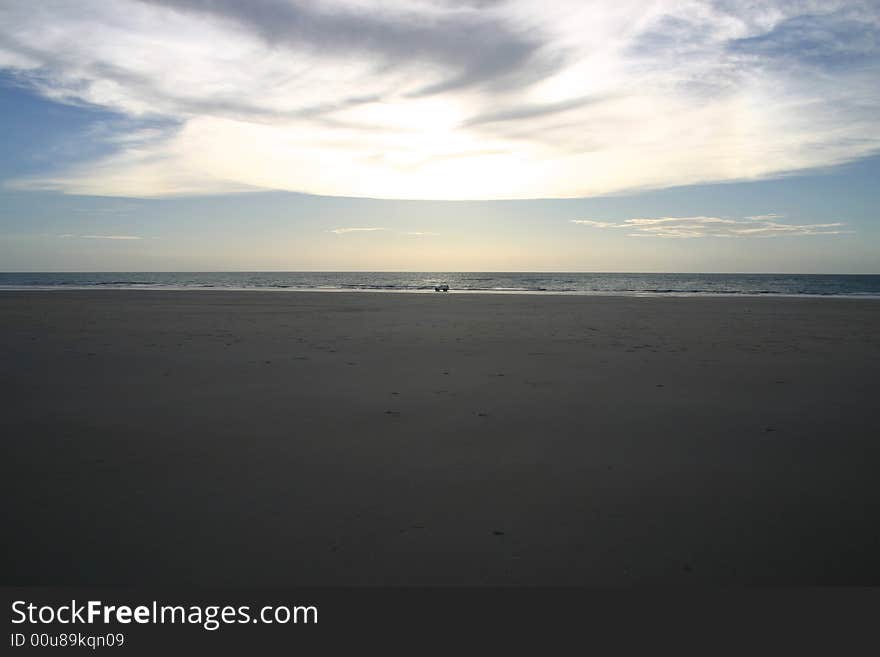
431, 135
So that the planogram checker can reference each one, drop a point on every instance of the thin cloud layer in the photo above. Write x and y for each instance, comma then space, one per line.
445, 99
103, 237
689, 227
343, 231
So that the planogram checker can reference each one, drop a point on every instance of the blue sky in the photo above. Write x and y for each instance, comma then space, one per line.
702, 136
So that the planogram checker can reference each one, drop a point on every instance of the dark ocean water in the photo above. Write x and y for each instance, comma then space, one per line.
511, 282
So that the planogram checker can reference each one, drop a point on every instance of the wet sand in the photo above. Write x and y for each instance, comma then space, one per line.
276, 439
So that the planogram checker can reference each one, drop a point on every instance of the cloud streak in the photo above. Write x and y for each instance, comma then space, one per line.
111, 237
100, 237
695, 227
449, 99
344, 231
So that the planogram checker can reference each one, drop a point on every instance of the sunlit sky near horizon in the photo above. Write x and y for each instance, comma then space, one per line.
431, 135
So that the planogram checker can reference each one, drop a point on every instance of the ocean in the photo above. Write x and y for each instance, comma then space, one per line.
495, 282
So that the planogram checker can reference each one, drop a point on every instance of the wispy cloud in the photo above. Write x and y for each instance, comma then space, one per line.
448, 99
691, 227
420, 233
103, 237
343, 231
593, 223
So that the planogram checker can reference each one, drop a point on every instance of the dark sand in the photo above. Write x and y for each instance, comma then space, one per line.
326, 438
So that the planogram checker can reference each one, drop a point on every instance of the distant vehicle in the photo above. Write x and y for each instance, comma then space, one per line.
443, 287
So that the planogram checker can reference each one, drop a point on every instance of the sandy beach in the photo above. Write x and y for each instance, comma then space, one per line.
275, 439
